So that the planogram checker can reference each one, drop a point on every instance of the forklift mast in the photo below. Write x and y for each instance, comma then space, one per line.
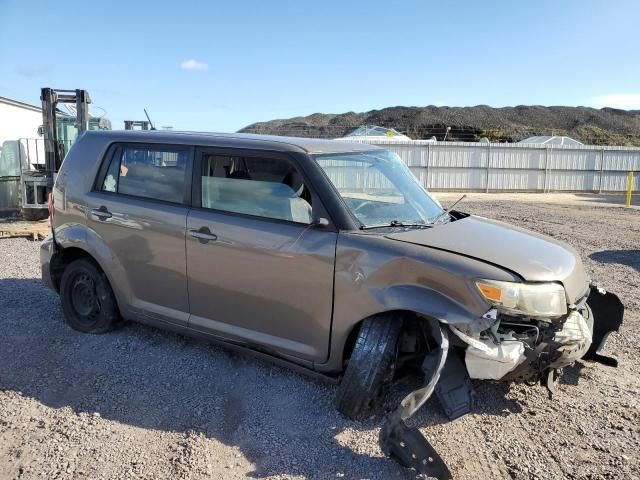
36, 184
53, 148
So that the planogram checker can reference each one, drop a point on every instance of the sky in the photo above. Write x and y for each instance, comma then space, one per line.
219, 66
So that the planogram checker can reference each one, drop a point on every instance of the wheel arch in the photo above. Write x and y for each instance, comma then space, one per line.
410, 301
64, 257
77, 240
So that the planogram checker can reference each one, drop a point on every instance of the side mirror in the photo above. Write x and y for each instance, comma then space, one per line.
320, 222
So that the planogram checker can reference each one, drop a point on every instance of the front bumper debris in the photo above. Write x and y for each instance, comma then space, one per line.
608, 313
406, 444
409, 447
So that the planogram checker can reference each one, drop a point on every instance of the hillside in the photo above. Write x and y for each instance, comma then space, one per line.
605, 126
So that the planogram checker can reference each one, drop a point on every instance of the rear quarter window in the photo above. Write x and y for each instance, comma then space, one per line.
154, 172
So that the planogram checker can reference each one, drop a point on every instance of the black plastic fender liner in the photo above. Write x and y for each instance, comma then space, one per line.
454, 389
407, 445
412, 402
608, 313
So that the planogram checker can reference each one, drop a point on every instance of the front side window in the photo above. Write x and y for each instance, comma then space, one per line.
379, 188
262, 187
150, 172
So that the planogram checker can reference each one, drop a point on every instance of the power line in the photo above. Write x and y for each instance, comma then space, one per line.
459, 133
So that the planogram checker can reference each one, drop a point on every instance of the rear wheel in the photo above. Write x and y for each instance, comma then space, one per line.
87, 298
370, 367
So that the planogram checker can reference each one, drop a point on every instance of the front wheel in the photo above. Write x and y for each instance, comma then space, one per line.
87, 298
370, 367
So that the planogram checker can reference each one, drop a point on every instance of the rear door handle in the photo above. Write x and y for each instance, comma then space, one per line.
102, 213
203, 234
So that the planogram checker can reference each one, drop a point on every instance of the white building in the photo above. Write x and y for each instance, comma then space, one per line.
19, 137
550, 140
373, 132
18, 120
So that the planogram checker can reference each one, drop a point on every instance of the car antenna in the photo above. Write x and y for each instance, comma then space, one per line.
148, 118
445, 212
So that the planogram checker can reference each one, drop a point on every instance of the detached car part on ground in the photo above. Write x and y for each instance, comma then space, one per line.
323, 255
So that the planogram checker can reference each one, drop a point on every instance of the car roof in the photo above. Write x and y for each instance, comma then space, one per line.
237, 140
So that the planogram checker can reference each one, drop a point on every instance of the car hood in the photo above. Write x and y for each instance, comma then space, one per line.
532, 256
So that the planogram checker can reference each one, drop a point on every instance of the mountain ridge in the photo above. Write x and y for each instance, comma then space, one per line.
605, 126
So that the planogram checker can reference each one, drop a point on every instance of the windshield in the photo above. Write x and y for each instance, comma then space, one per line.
379, 188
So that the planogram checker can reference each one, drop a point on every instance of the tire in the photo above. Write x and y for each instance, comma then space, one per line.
370, 367
34, 214
88, 302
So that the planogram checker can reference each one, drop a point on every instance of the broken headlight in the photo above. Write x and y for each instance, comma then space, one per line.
539, 300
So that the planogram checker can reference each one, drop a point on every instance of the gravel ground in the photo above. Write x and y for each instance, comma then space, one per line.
142, 403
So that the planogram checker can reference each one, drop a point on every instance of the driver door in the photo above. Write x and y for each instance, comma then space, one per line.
259, 271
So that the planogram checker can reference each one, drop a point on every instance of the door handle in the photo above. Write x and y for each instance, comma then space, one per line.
203, 234
102, 213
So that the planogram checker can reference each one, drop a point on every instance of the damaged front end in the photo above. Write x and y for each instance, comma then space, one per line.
512, 348
532, 350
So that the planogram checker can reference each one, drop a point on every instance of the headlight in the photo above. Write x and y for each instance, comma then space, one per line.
533, 299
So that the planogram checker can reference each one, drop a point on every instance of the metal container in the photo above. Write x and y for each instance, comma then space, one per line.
9, 196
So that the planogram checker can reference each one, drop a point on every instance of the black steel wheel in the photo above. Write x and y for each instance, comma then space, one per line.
87, 298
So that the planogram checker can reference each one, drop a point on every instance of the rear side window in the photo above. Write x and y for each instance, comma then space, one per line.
262, 187
153, 172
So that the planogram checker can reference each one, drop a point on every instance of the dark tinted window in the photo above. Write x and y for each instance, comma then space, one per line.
150, 172
263, 187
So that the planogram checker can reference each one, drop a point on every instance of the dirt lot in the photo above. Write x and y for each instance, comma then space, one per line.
142, 403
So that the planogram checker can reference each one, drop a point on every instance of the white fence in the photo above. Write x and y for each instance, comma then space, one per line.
486, 167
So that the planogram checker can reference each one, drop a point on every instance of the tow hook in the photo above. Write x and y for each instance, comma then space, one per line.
406, 444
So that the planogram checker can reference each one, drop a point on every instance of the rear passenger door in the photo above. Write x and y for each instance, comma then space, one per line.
138, 208
259, 271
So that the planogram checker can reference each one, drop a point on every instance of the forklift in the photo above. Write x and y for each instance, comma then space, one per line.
143, 124
37, 183
132, 124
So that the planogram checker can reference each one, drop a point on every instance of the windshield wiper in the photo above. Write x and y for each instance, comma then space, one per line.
446, 212
395, 223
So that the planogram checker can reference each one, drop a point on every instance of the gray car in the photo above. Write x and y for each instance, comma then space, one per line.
326, 256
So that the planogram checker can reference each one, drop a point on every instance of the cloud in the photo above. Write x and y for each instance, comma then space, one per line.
618, 100
192, 65
33, 70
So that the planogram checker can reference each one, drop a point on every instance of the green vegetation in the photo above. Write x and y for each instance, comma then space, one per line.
493, 134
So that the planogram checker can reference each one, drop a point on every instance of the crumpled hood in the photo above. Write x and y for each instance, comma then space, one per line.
534, 257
